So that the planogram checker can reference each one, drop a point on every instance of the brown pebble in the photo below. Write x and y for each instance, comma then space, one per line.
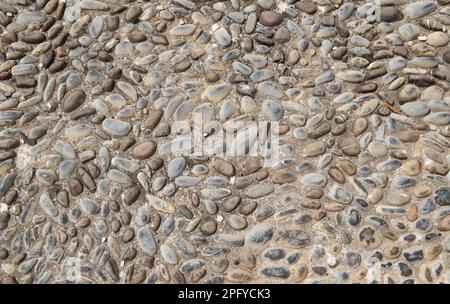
270, 18
444, 224
432, 251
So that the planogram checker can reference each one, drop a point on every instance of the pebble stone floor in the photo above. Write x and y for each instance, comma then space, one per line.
92, 94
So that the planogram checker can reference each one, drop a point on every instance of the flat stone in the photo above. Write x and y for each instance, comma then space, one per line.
442, 196
415, 109
224, 167
48, 205
351, 76
183, 30
222, 37
146, 240
259, 234
208, 227
169, 256
340, 194
259, 190
128, 90
93, 5
438, 118
438, 39
270, 18
160, 204
96, 27
24, 69
308, 6
73, 100
215, 193
89, 206
27, 18
144, 150
175, 167
270, 89
349, 146
153, 119
420, 9
314, 180
116, 127
314, 149
272, 110
390, 14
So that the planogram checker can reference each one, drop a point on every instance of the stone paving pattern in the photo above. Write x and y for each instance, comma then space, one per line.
90, 93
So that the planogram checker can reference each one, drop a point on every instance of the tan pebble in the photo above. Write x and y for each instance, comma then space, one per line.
208, 227
377, 149
375, 196
314, 149
437, 39
262, 174
365, 159
392, 250
153, 119
19, 258
412, 167
224, 167
333, 206
195, 201
347, 166
282, 129
242, 182
314, 194
360, 274
231, 203
388, 234
197, 275
337, 175
250, 165
300, 273
212, 77
408, 136
396, 198
432, 251
444, 223
138, 277
144, 150
156, 163
292, 57
320, 214
359, 126
349, 146
247, 260
247, 208
336, 248
412, 213
311, 204
338, 130
435, 168
398, 154
239, 276
281, 177
425, 274
345, 236
330, 112
422, 191
7, 279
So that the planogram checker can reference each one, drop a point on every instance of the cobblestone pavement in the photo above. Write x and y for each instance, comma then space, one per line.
232, 141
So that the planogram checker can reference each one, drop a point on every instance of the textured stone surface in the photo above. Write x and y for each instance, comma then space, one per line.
259, 141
